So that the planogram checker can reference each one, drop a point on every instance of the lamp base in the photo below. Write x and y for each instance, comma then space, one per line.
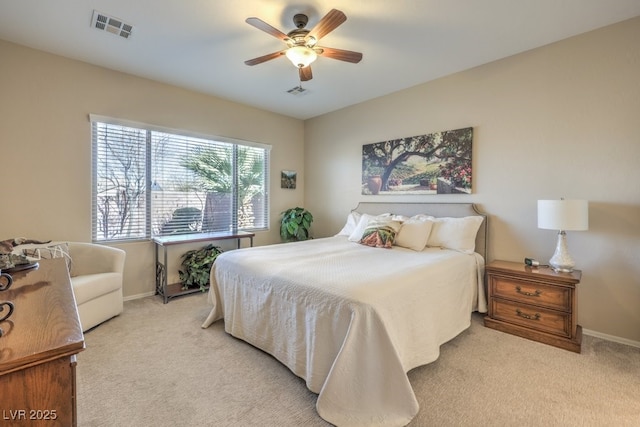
561, 261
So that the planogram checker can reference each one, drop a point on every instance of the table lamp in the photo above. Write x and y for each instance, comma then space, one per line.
563, 215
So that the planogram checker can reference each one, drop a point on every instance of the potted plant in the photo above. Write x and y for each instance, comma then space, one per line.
196, 267
295, 225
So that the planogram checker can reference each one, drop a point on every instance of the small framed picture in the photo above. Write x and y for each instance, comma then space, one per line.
288, 179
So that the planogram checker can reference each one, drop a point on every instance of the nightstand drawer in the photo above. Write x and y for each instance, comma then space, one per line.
530, 292
550, 321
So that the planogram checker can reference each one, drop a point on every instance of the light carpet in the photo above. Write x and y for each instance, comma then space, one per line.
155, 366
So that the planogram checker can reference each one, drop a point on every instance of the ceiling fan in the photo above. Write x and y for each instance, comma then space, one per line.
302, 48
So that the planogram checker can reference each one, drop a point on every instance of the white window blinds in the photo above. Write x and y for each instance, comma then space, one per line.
150, 182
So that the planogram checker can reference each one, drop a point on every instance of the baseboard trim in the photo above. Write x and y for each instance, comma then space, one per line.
138, 296
613, 338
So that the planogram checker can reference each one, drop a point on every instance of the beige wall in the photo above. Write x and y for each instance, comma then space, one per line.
45, 140
559, 121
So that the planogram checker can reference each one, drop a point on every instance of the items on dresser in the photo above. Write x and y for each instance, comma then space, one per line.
535, 303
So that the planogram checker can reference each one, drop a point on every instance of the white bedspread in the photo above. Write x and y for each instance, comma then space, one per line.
349, 319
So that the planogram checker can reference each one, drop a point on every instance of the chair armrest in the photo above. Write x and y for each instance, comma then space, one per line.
91, 258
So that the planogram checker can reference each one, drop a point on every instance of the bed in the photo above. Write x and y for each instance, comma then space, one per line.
351, 319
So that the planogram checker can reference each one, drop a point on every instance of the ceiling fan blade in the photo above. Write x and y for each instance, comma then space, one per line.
339, 54
305, 73
261, 25
328, 23
264, 58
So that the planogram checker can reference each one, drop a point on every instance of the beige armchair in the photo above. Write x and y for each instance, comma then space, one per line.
96, 278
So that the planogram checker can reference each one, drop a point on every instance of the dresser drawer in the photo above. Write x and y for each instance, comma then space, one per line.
536, 318
531, 292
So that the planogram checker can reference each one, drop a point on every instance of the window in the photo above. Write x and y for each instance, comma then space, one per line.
153, 182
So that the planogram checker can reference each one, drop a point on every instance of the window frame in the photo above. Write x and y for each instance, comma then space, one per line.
148, 214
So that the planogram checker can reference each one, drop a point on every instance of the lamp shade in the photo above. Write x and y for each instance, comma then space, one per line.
301, 56
563, 214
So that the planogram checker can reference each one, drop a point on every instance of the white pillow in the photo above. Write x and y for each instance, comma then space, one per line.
358, 231
415, 232
422, 217
455, 233
352, 222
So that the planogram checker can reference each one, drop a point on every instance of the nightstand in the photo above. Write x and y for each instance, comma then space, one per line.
535, 303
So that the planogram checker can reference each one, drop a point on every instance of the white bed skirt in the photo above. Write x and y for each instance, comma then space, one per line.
350, 320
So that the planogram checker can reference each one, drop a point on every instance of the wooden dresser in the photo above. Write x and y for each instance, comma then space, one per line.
38, 349
534, 303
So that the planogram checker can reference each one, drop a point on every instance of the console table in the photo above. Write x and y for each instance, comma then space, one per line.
39, 347
168, 291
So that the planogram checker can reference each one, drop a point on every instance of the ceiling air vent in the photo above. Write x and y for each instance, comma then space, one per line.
110, 24
298, 90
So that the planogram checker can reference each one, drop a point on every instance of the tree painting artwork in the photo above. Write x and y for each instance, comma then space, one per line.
435, 163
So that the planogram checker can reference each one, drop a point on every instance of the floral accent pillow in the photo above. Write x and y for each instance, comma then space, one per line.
380, 233
363, 223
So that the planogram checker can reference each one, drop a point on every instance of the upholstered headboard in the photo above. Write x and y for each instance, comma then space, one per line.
454, 210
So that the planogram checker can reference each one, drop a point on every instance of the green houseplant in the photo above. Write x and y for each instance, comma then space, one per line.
196, 267
295, 225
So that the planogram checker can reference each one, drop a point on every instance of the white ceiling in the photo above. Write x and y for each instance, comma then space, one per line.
202, 45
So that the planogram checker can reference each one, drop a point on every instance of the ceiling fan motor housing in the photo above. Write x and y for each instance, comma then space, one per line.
300, 20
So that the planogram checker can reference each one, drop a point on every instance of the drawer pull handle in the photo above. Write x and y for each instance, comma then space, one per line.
527, 316
537, 293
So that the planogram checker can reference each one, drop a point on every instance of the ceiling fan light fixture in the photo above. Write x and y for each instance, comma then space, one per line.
301, 56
